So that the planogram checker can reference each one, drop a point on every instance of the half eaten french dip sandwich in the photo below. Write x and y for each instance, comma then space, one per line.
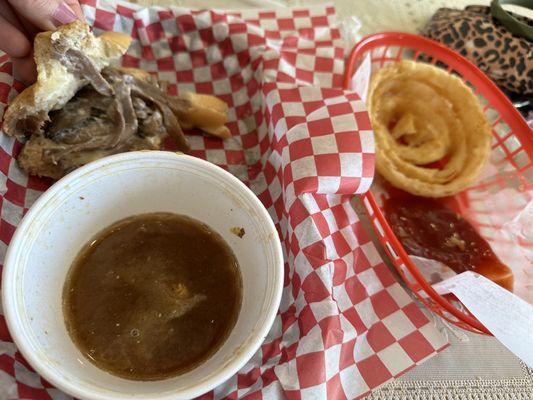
83, 108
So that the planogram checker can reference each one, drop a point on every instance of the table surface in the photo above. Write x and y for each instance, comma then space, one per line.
474, 366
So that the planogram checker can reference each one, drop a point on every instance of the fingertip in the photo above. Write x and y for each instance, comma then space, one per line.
79, 13
64, 14
67, 12
12, 40
76, 7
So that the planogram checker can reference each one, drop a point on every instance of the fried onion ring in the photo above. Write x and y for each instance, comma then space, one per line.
421, 115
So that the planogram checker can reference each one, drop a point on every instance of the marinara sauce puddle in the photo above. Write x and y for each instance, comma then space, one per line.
428, 229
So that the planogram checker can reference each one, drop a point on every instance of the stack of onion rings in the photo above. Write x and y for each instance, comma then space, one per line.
432, 137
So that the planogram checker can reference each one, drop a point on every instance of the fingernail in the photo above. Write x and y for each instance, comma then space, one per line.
64, 14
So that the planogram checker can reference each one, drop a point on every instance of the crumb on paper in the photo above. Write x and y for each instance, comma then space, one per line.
238, 231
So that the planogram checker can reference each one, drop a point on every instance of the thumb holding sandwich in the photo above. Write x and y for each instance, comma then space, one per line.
21, 20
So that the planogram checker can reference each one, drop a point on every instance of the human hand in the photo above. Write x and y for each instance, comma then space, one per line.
21, 20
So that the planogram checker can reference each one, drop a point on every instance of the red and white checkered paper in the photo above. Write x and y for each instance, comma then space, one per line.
304, 146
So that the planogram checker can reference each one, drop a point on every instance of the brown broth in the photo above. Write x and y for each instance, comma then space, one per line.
152, 296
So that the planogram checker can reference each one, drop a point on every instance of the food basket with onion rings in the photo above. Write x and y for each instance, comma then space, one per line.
499, 196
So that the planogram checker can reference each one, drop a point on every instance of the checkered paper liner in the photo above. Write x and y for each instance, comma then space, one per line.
345, 326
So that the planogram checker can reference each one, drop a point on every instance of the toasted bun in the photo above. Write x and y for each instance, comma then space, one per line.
55, 85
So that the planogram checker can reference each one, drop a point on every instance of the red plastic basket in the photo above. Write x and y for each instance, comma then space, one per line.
511, 158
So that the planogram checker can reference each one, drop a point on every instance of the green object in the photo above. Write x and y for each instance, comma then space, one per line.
514, 26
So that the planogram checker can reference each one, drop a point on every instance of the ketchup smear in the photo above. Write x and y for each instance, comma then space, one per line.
428, 229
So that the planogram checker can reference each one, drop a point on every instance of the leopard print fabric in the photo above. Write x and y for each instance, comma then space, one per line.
505, 58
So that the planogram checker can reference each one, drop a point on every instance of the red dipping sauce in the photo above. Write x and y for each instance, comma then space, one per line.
428, 229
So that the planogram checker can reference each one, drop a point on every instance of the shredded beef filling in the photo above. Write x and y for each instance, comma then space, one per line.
115, 113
